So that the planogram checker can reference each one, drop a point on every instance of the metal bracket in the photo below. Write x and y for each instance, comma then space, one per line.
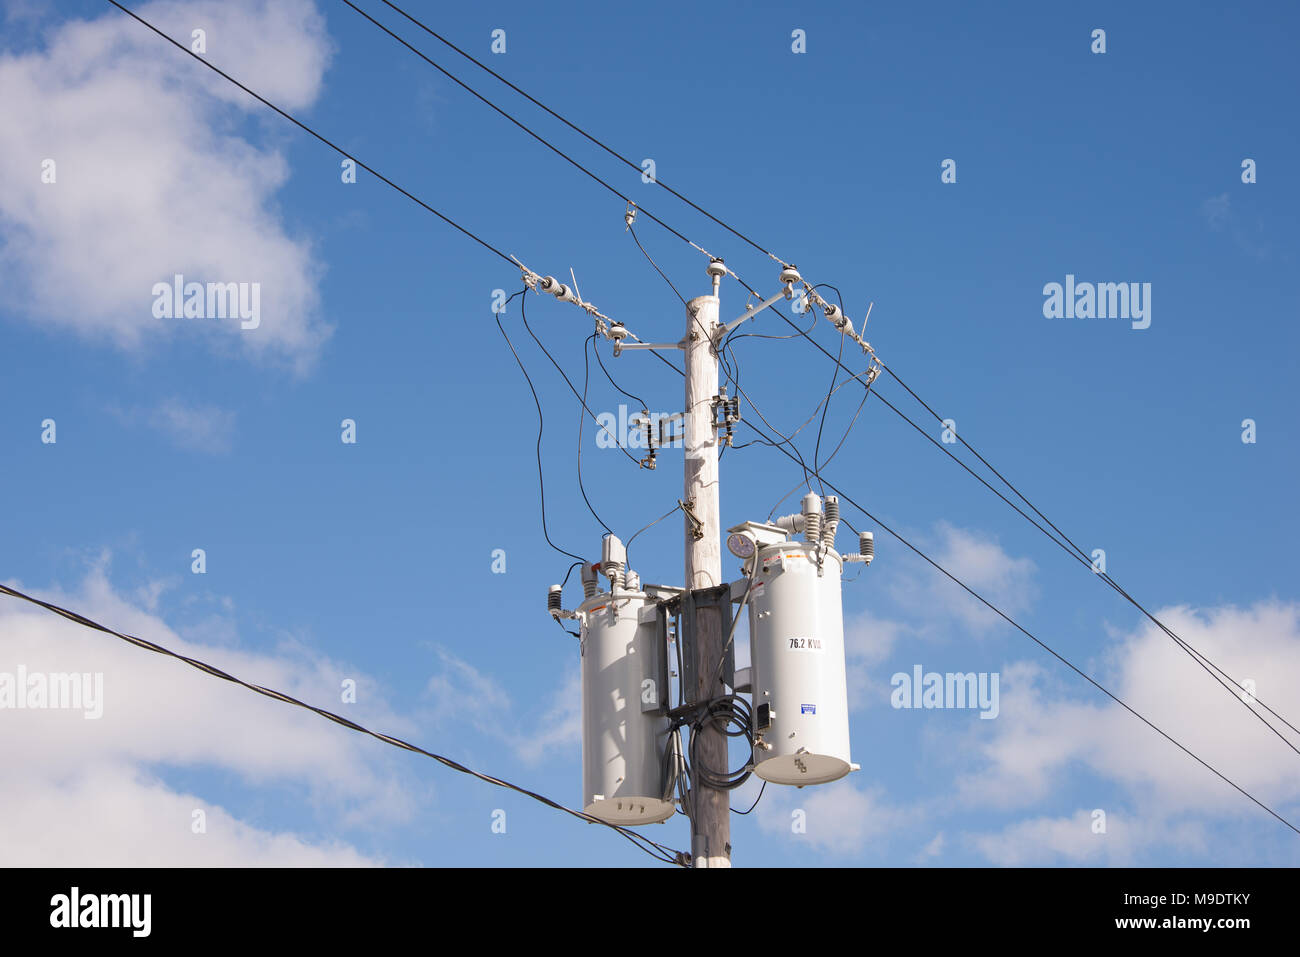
697, 526
686, 607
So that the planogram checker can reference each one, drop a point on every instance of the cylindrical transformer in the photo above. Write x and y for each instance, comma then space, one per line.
624, 728
796, 627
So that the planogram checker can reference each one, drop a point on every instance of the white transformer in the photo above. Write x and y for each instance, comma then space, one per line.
796, 628
624, 728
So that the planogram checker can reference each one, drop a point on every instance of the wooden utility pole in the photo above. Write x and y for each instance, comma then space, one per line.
711, 807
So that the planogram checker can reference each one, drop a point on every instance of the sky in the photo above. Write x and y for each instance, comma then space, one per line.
938, 163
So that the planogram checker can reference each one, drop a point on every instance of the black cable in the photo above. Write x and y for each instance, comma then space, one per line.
637, 399
583, 133
523, 315
1080, 555
553, 148
756, 800
659, 851
627, 548
1065, 661
826, 406
541, 425
303, 126
631, 229
586, 375
1231, 684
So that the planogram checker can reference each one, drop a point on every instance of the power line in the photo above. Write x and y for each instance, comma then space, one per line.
656, 850
1083, 558
1201, 659
1065, 661
440, 38
545, 142
541, 425
582, 422
1231, 685
303, 126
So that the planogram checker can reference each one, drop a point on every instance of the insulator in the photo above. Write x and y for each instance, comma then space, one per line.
633, 581
613, 559
812, 518
830, 521
554, 603
590, 584
790, 274
717, 268
867, 546
791, 524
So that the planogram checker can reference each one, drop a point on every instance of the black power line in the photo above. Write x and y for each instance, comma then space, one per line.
618, 156
1231, 685
656, 850
1055, 654
541, 426
545, 142
1196, 655
303, 126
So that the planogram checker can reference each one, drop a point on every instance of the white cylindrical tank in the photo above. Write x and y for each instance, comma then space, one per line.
624, 729
796, 627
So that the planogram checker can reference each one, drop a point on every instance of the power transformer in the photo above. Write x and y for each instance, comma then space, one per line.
796, 629
626, 755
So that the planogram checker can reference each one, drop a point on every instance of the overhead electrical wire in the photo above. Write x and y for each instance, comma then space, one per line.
545, 142
656, 850
1055, 654
1191, 651
623, 159
582, 422
1198, 656
541, 426
307, 129
1231, 685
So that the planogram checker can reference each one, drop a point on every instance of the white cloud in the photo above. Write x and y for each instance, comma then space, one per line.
89, 793
1042, 737
982, 564
194, 426
460, 692
152, 179
837, 818
868, 641
1073, 840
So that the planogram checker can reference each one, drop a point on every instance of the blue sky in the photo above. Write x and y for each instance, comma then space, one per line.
373, 560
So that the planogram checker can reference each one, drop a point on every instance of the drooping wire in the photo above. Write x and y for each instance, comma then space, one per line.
632, 229
635, 398
582, 422
523, 315
659, 851
826, 407
756, 800
627, 548
541, 426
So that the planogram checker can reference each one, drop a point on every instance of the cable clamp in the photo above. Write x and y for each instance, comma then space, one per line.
697, 526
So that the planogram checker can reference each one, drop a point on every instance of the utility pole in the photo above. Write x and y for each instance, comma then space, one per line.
711, 807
